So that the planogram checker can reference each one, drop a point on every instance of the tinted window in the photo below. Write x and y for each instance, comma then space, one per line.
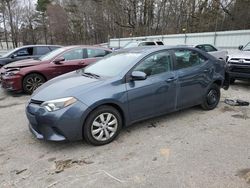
188, 58
155, 64
42, 50
146, 44
112, 64
73, 54
209, 48
24, 52
159, 43
54, 47
96, 53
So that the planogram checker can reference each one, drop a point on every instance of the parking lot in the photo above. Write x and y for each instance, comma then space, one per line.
190, 148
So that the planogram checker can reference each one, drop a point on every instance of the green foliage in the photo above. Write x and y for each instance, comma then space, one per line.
42, 5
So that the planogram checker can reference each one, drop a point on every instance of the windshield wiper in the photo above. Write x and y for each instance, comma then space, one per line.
89, 74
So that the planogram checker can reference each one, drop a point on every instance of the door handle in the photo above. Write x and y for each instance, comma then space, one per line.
206, 70
171, 79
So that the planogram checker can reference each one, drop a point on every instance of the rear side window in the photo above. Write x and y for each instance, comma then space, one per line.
147, 44
188, 58
24, 52
53, 47
209, 48
92, 53
159, 43
42, 50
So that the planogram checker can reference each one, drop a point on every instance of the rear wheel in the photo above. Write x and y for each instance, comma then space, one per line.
31, 82
212, 98
102, 126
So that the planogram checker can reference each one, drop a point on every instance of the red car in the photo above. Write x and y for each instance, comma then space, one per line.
27, 75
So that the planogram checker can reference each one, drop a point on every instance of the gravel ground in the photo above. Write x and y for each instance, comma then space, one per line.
190, 148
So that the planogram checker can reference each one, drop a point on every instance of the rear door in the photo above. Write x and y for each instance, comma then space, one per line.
194, 75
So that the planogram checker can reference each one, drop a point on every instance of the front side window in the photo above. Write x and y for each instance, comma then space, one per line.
73, 54
92, 53
188, 58
155, 64
147, 44
24, 52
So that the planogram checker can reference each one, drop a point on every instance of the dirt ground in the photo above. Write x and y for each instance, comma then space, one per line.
190, 148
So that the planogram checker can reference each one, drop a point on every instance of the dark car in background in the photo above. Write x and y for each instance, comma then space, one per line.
26, 52
123, 88
29, 74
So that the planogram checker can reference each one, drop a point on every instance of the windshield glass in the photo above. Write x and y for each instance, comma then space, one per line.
247, 47
52, 54
112, 65
131, 45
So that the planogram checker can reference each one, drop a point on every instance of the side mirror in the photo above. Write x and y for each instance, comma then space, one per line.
138, 75
58, 60
240, 47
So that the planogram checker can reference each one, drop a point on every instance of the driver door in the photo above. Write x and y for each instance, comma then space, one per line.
157, 94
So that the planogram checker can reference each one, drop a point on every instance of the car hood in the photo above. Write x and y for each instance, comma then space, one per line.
23, 63
240, 54
71, 84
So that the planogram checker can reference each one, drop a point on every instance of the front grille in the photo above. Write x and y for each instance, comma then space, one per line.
36, 102
240, 70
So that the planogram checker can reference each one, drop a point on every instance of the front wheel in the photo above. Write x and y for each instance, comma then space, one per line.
212, 98
102, 126
31, 82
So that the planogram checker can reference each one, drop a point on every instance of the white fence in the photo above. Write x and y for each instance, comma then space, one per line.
229, 40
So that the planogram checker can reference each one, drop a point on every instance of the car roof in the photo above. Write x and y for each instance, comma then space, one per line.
150, 49
39, 45
86, 46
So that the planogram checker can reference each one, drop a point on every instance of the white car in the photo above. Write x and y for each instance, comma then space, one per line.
133, 44
238, 64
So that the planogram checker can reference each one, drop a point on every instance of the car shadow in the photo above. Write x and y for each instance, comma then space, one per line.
124, 134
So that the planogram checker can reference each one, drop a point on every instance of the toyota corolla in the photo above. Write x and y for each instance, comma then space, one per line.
125, 87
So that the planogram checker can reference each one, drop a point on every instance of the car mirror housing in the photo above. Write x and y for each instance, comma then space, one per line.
138, 75
59, 60
240, 47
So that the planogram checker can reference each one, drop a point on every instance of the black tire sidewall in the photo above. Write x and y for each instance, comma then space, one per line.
87, 126
26, 78
205, 104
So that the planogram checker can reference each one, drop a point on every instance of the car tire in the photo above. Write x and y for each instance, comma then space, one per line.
31, 82
232, 80
102, 126
212, 98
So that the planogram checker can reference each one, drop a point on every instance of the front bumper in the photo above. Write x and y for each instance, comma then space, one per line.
60, 125
239, 70
12, 83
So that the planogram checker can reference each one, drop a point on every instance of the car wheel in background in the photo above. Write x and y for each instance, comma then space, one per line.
31, 82
232, 80
102, 126
212, 98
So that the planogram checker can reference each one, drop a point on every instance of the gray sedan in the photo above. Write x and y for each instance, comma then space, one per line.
125, 87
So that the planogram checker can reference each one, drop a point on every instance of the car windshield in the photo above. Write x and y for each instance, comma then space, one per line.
51, 54
247, 47
112, 65
131, 45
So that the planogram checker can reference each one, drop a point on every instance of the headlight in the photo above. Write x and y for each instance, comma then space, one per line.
58, 104
11, 72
